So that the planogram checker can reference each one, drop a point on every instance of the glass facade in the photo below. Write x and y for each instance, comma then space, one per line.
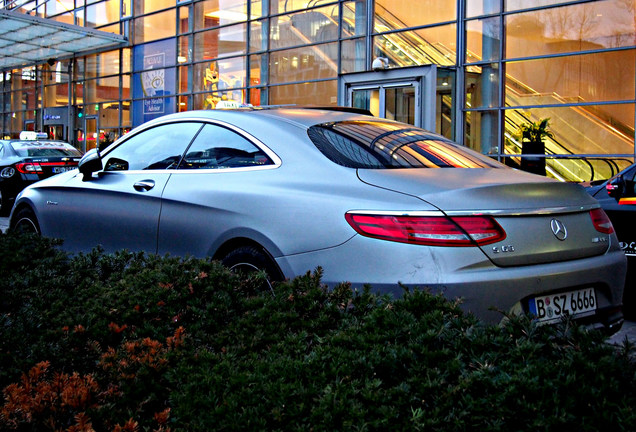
499, 65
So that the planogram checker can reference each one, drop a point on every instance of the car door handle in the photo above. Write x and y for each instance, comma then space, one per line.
144, 185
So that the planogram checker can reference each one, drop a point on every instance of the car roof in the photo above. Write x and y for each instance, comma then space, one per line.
300, 116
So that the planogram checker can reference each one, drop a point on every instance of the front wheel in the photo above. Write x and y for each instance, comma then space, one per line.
247, 260
24, 221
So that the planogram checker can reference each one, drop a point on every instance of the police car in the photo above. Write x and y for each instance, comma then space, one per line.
29, 159
618, 198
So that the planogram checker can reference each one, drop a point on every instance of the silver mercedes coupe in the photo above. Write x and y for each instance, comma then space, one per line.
370, 201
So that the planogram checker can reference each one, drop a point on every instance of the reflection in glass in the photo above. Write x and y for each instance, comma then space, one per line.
576, 129
308, 93
222, 42
156, 26
353, 55
314, 26
586, 26
482, 40
304, 63
572, 79
433, 45
214, 13
398, 14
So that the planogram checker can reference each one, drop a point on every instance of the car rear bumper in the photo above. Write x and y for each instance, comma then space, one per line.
465, 273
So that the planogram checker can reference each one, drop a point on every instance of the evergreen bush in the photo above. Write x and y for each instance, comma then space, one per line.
132, 342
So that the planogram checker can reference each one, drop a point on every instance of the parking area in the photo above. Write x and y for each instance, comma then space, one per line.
628, 330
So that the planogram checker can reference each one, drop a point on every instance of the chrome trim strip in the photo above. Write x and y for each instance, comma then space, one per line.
517, 212
525, 212
277, 161
421, 213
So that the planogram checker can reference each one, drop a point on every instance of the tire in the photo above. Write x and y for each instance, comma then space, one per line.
24, 221
247, 260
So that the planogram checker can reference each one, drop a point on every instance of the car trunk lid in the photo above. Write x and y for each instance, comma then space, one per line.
544, 220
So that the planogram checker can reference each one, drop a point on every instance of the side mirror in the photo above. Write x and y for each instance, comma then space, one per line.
90, 163
615, 187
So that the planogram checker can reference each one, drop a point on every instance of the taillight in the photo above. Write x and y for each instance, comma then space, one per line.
601, 222
428, 230
29, 168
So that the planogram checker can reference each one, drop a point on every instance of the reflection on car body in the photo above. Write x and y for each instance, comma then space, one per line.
368, 200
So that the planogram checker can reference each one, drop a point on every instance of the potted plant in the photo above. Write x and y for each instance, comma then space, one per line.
532, 136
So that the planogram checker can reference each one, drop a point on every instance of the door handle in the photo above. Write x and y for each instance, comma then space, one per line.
144, 185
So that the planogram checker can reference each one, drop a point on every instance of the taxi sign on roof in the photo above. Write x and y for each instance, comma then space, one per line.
32, 136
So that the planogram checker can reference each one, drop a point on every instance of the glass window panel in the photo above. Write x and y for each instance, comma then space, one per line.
214, 13
155, 55
79, 17
399, 14
54, 7
183, 103
353, 55
577, 130
143, 7
183, 80
99, 14
216, 147
56, 95
226, 41
125, 86
308, 93
109, 118
113, 28
607, 76
435, 45
66, 18
586, 26
481, 131
185, 52
316, 25
482, 7
184, 19
102, 64
220, 75
354, 19
304, 64
126, 8
512, 5
258, 69
483, 40
258, 36
482, 86
126, 60
125, 116
284, 6
212, 99
157, 26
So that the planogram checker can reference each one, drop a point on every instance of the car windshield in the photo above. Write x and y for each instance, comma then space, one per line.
377, 144
44, 149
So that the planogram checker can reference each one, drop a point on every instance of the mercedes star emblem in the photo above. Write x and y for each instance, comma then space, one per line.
558, 229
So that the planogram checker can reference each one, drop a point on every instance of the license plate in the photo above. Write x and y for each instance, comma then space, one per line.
57, 170
552, 307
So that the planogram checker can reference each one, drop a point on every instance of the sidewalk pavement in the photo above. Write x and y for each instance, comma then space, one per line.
628, 330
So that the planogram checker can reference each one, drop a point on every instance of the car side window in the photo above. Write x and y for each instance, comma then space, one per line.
219, 147
160, 147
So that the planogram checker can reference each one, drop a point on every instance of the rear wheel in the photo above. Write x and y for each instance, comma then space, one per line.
24, 221
247, 260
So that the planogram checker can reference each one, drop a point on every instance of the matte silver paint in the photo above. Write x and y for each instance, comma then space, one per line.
295, 209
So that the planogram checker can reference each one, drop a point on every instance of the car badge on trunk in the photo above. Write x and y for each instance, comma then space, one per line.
558, 229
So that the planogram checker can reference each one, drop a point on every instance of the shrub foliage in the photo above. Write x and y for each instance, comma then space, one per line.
131, 342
